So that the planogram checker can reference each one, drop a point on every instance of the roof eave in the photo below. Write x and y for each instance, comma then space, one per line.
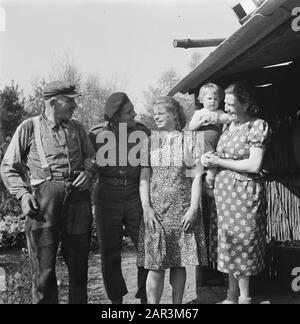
263, 21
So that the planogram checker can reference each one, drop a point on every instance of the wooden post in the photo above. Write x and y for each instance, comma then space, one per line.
2, 137
296, 142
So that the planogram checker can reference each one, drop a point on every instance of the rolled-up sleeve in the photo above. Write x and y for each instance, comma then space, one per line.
13, 166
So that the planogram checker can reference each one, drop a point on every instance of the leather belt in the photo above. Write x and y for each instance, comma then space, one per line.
118, 181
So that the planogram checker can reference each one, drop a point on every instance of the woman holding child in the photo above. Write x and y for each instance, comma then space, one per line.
171, 235
239, 192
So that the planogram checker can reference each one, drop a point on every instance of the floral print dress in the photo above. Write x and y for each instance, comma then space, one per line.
170, 193
239, 230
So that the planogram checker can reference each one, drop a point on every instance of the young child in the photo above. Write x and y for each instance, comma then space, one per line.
209, 120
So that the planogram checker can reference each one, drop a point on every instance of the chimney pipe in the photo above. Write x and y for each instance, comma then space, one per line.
197, 43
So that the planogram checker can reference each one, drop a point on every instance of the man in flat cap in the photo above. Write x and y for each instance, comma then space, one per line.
117, 197
56, 203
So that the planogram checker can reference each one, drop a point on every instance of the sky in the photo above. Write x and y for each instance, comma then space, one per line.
130, 42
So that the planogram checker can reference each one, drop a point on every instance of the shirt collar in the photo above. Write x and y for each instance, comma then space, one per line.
52, 125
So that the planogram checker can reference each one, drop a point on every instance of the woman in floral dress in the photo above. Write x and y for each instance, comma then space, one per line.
239, 193
171, 235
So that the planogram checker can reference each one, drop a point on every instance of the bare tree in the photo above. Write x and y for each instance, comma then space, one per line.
94, 96
168, 80
196, 58
94, 92
165, 83
66, 70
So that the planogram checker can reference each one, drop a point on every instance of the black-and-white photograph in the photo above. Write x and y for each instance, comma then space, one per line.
150, 154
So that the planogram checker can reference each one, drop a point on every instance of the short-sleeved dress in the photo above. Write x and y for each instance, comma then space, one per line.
170, 193
240, 241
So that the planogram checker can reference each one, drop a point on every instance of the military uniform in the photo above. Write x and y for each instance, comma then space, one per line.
118, 203
64, 212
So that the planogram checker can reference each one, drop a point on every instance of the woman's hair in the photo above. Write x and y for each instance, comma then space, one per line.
211, 87
174, 108
245, 95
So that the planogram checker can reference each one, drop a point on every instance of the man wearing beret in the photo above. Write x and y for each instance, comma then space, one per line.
117, 197
56, 203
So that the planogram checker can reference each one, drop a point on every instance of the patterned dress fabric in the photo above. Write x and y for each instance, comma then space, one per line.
238, 228
170, 192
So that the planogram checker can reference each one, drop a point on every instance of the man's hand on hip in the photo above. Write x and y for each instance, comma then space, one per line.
29, 205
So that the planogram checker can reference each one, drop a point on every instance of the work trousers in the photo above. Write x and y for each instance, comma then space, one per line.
65, 216
118, 206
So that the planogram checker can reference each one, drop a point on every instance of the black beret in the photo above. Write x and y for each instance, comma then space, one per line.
114, 103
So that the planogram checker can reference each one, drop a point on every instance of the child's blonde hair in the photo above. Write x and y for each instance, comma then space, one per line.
211, 87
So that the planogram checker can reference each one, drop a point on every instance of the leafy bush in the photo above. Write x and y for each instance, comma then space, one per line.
12, 232
12, 226
12, 229
18, 279
12, 109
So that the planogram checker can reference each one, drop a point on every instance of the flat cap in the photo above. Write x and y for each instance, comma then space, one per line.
64, 88
114, 102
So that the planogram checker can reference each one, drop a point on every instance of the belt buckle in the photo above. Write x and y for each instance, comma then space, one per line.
119, 181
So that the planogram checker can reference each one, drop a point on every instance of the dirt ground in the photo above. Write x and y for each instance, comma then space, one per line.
96, 291
96, 287
205, 295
